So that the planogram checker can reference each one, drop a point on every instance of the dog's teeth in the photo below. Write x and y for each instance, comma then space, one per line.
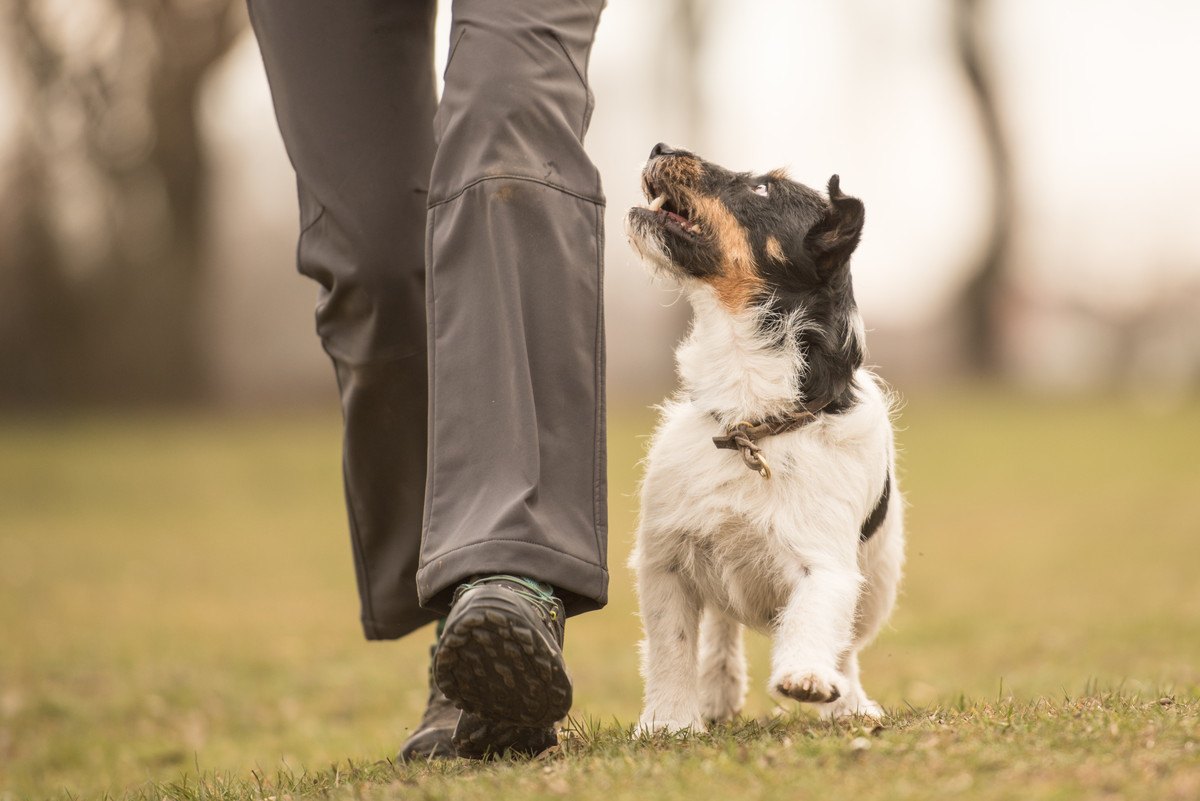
658, 202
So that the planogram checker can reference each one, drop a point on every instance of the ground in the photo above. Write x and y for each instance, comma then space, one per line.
178, 619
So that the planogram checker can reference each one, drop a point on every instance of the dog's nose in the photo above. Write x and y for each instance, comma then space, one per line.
661, 149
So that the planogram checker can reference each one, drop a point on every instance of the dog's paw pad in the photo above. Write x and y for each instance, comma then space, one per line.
809, 687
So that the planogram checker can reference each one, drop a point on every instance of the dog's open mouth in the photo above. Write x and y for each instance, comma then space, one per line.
670, 212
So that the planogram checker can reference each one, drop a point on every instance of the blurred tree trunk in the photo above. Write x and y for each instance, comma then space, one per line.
108, 309
37, 326
981, 299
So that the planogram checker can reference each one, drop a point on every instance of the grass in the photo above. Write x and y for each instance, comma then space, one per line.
178, 619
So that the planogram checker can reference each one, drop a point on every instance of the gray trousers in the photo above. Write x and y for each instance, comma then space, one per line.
458, 248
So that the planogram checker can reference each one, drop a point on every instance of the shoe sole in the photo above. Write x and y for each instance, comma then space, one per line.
495, 661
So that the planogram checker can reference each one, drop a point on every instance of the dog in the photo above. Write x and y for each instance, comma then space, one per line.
769, 497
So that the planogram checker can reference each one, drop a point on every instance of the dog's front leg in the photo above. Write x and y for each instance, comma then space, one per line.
671, 620
813, 631
722, 667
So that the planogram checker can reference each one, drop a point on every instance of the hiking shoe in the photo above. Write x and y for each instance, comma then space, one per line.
479, 738
446, 732
500, 658
434, 736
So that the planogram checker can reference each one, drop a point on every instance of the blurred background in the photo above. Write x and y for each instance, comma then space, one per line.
1031, 174
175, 585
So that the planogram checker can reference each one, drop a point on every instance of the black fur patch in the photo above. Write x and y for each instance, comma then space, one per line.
879, 513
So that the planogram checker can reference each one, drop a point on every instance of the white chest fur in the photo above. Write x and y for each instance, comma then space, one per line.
740, 538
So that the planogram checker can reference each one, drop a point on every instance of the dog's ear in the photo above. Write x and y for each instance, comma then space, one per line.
836, 235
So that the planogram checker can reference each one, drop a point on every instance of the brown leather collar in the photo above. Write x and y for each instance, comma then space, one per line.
744, 436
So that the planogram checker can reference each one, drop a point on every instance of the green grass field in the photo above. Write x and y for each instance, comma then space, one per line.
178, 619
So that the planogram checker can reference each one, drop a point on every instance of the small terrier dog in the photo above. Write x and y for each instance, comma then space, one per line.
808, 543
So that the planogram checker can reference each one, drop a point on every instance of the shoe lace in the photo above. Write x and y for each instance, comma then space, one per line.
535, 592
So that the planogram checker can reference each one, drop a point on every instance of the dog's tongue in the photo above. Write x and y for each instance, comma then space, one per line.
677, 217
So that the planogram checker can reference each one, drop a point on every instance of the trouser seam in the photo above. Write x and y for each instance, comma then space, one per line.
590, 102
599, 379
589, 198
431, 353
582, 80
570, 60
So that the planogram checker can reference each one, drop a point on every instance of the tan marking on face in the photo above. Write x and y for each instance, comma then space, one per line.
676, 170
684, 168
739, 279
779, 175
775, 250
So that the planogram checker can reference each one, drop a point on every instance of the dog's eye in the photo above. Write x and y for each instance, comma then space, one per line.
761, 189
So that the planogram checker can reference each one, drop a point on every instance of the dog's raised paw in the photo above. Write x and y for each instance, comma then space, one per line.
812, 688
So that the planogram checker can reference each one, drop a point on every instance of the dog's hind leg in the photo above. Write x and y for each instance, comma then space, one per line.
671, 620
881, 560
722, 667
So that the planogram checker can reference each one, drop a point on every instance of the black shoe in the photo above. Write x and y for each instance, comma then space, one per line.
446, 732
434, 737
479, 738
500, 661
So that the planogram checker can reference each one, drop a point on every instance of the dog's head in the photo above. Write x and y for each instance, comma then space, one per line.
749, 237
761, 243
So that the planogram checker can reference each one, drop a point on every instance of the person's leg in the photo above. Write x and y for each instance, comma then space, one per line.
514, 251
515, 517
353, 87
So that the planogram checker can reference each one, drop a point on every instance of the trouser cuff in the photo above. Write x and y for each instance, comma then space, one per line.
582, 586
